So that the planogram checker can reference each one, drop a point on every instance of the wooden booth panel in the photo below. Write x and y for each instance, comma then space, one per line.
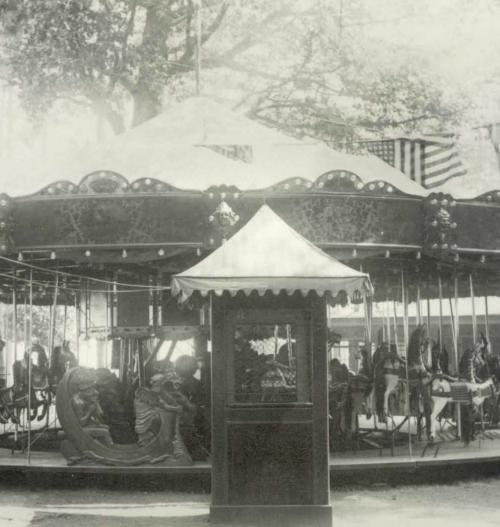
270, 463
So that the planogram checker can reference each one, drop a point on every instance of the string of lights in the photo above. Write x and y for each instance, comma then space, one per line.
137, 287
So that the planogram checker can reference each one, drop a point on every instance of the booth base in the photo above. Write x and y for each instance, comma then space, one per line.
272, 515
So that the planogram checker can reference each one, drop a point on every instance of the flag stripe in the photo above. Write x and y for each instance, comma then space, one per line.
429, 160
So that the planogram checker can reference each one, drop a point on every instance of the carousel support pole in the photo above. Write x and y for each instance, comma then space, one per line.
14, 332
404, 300
30, 380
64, 323
428, 301
456, 321
440, 292
457, 318
473, 312
395, 322
14, 317
53, 318
486, 320
384, 333
367, 307
77, 326
418, 314
475, 338
388, 319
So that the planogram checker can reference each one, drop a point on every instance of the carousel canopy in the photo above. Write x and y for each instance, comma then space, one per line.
199, 143
268, 255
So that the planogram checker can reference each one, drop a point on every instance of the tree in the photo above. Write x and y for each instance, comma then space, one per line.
98, 52
304, 66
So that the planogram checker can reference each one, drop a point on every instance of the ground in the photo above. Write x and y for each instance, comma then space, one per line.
459, 504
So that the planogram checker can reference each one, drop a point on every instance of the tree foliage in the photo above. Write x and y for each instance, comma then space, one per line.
305, 67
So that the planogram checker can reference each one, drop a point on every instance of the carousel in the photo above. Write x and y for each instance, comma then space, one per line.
109, 330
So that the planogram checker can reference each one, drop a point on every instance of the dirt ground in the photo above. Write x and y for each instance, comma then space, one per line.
461, 504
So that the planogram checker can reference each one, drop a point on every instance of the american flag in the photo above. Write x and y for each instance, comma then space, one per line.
429, 160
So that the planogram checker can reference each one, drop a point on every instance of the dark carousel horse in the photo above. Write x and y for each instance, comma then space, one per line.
18, 398
347, 397
420, 378
62, 360
474, 370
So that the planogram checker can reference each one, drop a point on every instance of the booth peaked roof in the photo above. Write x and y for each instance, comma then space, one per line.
268, 255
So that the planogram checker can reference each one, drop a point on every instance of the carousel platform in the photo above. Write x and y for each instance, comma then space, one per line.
446, 451
483, 450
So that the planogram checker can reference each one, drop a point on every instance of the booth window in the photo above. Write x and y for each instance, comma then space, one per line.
270, 365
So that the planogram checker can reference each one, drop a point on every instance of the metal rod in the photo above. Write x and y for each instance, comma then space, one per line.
428, 314
14, 317
404, 300
30, 380
440, 292
486, 320
473, 303
418, 315
388, 320
54, 316
77, 327
395, 322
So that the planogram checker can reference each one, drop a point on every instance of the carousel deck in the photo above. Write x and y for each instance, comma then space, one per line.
445, 453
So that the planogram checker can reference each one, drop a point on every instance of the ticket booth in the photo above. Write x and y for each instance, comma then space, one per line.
270, 410
268, 289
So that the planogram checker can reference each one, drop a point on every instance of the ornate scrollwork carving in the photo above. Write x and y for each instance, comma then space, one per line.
88, 437
223, 192
103, 182
439, 223
339, 181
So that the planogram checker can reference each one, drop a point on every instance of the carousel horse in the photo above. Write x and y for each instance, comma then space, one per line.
61, 361
470, 389
419, 378
473, 369
347, 396
388, 368
16, 399
338, 401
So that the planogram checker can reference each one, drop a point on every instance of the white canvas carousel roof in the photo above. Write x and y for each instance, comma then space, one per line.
172, 147
266, 254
